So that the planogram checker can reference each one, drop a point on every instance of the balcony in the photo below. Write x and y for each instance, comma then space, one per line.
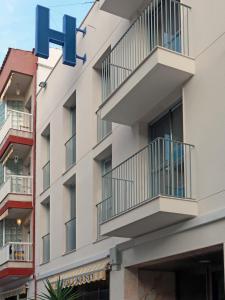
125, 9
148, 63
150, 190
46, 176
16, 264
18, 66
14, 252
17, 129
17, 189
70, 146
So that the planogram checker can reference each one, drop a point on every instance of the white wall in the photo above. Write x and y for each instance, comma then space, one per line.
203, 102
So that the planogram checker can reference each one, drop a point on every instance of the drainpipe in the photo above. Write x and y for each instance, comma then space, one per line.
34, 174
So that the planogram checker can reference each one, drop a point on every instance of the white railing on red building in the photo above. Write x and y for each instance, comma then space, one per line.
16, 252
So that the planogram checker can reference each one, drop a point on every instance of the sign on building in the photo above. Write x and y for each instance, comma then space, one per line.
67, 38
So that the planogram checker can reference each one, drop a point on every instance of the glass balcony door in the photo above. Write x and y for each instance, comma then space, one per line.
167, 176
10, 232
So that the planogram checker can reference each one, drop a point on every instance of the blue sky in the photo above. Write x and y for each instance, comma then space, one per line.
17, 20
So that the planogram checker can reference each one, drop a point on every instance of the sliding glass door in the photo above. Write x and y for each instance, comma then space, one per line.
167, 153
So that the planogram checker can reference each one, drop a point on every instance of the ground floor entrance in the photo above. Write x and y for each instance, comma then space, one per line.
197, 276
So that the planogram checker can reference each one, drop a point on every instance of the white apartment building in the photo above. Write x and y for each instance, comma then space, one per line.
130, 168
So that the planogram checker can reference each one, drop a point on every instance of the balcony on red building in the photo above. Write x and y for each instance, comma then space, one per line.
17, 94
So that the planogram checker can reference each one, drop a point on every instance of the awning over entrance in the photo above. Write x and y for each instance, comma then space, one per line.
89, 273
14, 292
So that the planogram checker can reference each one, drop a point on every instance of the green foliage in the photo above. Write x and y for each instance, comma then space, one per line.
59, 292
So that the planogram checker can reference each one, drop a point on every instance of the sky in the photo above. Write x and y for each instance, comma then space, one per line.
17, 20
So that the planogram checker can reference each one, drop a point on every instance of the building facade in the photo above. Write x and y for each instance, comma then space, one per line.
20, 73
17, 82
129, 160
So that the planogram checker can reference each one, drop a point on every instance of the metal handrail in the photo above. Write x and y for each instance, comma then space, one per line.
132, 24
164, 167
47, 163
72, 219
74, 135
18, 243
136, 153
20, 112
19, 184
47, 234
19, 176
18, 251
164, 23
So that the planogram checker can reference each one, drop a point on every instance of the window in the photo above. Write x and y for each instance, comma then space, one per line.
46, 152
71, 143
169, 126
104, 128
71, 224
70, 130
46, 236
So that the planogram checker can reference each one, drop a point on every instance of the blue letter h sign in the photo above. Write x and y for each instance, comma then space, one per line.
66, 39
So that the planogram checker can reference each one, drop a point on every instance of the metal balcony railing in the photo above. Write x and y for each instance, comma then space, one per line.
163, 168
104, 128
164, 23
20, 184
16, 120
16, 251
70, 235
46, 176
46, 248
16, 184
70, 152
20, 120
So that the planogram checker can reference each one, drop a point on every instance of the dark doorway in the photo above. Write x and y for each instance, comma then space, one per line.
198, 275
95, 291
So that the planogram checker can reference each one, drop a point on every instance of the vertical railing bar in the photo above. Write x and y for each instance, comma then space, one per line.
170, 18
157, 24
153, 23
151, 26
182, 162
159, 166
187, 33
177, 168
139, 32
148, 30
146, 33
186, 172
190, 172
166, 13
162, 27
163, 165
183, 30
142, 175
104, 80
179, 27
175, 25
156, 171
108, 76
140, 40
